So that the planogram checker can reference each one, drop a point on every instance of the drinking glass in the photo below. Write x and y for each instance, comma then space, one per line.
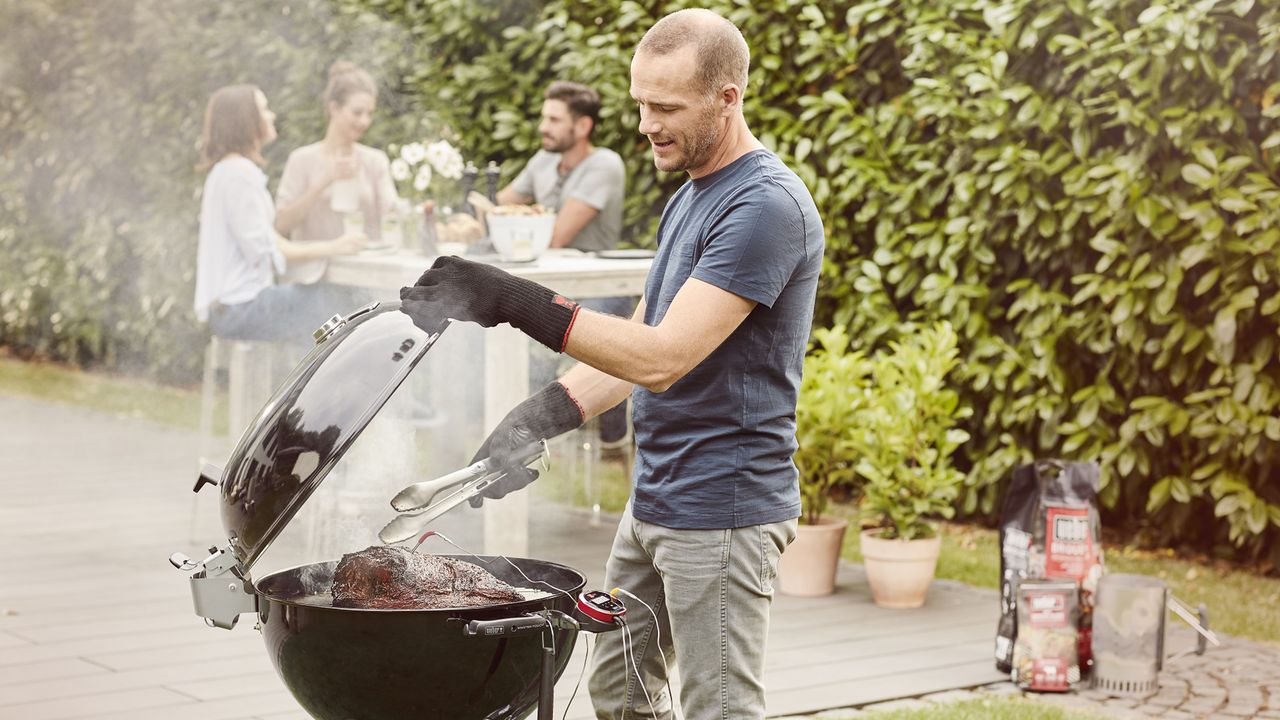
353, 223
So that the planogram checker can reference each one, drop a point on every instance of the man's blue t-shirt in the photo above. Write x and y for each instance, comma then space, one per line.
714, 450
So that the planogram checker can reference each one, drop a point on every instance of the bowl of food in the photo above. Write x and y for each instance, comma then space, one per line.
520, 233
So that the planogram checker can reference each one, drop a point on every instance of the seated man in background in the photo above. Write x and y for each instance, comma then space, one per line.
583, 184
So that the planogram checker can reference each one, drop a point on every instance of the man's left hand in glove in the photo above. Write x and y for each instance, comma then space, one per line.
545, 414
479, 293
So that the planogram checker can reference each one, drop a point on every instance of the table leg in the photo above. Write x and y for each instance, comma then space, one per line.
506, 384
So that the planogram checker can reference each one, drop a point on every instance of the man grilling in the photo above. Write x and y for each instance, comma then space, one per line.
711, 359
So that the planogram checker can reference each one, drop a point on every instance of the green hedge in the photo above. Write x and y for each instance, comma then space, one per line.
1085, 189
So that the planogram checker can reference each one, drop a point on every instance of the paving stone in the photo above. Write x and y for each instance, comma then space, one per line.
1167, 698
1211, 691
1002, 688
1156, 710
1235, 710
1121, 702
1201, 707
1269, 714
1177, 715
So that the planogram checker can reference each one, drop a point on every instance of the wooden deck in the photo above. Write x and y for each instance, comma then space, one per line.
95, 623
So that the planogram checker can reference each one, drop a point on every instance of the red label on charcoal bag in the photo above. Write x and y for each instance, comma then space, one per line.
1047, 610
1049, 674
1069, 551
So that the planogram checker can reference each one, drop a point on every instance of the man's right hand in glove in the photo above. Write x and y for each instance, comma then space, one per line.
480, 293
546, 414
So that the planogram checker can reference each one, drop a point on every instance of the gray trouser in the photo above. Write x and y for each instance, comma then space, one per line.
711, 590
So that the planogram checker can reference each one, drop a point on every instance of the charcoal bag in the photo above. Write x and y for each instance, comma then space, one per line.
1050, 530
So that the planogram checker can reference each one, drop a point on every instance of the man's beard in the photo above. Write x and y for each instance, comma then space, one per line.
701, 150
700, 143
558, 144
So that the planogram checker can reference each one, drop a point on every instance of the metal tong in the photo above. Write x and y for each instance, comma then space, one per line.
418, 502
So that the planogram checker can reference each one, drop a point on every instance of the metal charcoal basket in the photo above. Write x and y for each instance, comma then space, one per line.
1129, 633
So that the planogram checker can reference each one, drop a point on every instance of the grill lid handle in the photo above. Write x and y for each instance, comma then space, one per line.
210, 474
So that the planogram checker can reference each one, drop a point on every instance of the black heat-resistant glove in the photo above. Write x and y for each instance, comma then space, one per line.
479, 293
548, 413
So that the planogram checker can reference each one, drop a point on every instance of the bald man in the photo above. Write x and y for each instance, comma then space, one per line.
711, 359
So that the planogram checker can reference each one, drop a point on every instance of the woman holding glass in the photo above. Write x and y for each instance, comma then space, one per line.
240, 254
337, 185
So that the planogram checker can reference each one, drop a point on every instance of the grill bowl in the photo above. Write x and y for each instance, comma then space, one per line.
343, 663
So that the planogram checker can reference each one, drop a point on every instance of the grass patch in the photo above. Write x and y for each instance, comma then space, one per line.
1240, 603
565, 480
119, 396
987, 708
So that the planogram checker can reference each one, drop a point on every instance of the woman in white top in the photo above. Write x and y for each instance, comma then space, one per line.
240, 254
325, 182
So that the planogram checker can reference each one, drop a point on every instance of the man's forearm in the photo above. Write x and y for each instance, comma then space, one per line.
509, 196
594, 390
699, 318
632, 352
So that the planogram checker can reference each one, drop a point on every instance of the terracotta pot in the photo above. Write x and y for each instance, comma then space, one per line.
808, 565
899, 571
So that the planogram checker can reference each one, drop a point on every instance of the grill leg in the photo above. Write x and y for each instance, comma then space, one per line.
547, 685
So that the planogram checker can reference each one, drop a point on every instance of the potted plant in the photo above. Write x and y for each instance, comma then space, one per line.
833, 388
906, 434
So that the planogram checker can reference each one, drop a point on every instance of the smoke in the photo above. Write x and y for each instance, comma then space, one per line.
100, 114
101, 107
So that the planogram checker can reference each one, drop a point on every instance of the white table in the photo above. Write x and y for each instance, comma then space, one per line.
571, 273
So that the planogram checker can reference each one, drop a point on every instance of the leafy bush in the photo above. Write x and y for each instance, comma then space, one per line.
835, 386
904, 434
1082, 189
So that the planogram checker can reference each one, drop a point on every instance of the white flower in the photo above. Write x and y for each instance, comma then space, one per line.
400, 170
413, 153
445, 159
422, 179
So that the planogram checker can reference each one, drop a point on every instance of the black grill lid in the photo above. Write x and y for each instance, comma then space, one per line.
312, 419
